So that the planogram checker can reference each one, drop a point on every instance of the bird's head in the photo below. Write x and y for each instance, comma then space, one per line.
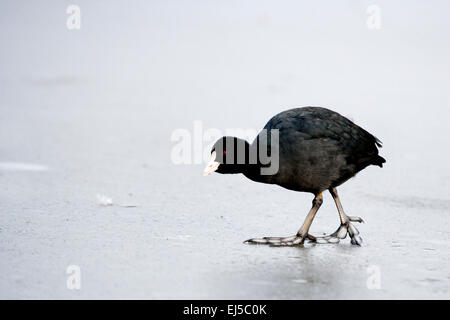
228, 155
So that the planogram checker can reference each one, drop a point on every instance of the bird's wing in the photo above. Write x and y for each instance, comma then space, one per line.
319, 123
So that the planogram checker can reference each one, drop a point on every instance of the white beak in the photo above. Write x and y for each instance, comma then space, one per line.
212, 165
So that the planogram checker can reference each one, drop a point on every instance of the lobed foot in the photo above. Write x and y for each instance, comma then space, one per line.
335, 237
281, 241
342, 231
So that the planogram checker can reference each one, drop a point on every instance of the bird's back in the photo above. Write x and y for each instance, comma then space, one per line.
319, 149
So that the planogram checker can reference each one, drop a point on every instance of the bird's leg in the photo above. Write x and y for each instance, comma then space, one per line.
302, 233
345, 227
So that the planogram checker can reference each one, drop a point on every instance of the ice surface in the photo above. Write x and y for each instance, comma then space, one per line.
97, 107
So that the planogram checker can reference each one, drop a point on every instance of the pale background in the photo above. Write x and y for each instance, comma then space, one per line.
91, 111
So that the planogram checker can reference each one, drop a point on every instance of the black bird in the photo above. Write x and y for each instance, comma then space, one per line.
308, 149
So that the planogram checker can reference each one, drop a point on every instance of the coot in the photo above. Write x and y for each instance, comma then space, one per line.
310, 149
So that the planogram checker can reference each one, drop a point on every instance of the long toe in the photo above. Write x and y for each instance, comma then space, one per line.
327, 239
354, 235
277, 241
341, 233
288, 241
355, 219
257, 241
332, 238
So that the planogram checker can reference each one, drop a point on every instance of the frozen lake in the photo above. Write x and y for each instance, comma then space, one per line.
90, 112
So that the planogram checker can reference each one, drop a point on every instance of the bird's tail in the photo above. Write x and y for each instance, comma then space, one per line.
378, 161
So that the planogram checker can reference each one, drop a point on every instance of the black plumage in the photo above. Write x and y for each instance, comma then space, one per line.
318, 150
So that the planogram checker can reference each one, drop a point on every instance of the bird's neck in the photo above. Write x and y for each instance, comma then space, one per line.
253, 172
